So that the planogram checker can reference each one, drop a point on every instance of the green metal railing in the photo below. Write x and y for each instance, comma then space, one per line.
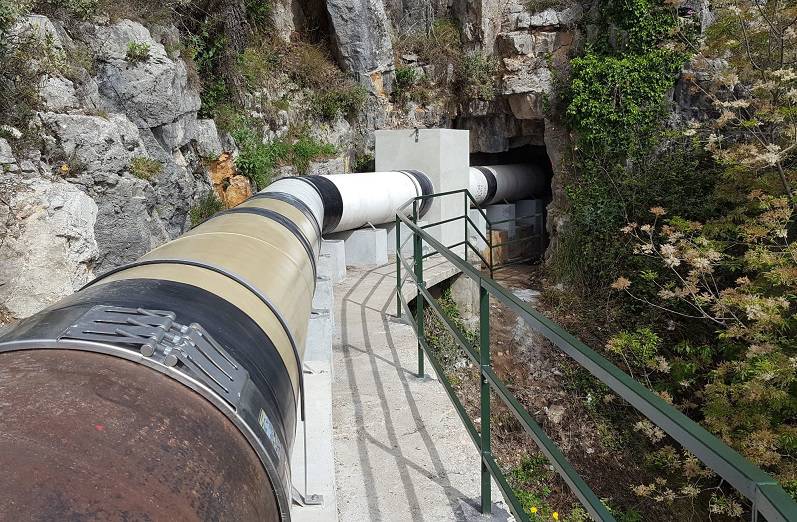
488, 260
766, 496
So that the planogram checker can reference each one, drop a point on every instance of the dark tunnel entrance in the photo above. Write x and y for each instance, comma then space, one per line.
525, 154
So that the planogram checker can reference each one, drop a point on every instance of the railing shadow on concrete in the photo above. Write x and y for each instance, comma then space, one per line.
767, 498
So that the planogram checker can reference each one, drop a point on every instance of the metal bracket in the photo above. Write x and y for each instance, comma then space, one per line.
319, 312
159, 336
307, 500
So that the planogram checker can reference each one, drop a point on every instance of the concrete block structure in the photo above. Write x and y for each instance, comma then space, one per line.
323, 298
444, 156
502, 212
364, 246
332, 260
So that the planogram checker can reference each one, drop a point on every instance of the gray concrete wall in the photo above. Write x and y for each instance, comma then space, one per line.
501, 212
444, 155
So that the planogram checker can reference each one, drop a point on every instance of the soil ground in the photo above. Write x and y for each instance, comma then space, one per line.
591, 425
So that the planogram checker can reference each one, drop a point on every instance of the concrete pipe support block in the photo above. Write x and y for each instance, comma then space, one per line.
332, 260
364, 246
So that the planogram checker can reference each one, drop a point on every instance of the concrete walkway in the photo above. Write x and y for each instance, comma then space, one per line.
401, 452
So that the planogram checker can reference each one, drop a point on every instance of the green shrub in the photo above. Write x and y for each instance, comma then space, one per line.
305, 150
259, 13
145, 168
364, 163
530, 479
644, 23
604, 194
639, 352
405, 79
205, 208
259, 63
257, 160
344, 101
137, 52
476, 76
616, 103
215, 97
411, 85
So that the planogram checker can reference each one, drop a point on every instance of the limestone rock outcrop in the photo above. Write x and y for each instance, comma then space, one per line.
362, 34
47, 243
152, 90
81, 204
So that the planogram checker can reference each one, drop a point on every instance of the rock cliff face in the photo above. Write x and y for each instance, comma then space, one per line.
122, 154
75, 205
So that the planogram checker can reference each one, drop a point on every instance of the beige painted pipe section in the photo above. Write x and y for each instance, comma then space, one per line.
289, 211
258, 250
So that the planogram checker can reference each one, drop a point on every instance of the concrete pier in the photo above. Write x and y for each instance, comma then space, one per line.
364, 246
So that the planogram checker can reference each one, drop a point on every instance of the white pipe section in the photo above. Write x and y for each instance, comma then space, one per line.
478, 186
512, 182
373, 197
348, 201
304, 192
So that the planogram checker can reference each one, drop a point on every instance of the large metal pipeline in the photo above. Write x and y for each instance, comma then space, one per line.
500, 183
89, 428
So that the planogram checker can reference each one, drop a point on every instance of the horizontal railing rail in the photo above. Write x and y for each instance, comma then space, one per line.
766, 496
491, 245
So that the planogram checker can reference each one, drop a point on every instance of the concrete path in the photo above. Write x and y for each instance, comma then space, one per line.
401, 452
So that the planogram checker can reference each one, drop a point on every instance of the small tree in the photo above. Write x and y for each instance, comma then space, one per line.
729, 283
747, 66
739, 277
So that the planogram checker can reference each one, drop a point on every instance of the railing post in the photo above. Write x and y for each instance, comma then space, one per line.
490, 237
465, 216
398, 267
419, 300
484, 359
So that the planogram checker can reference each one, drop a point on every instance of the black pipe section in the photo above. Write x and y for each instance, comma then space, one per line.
330, 196
427, 189
296, 202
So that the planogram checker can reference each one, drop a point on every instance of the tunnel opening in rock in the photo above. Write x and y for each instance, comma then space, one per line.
313, 24
532, 154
